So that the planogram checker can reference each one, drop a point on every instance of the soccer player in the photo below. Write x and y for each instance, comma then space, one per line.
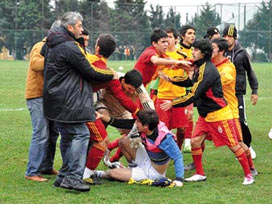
187, 34
227, 73
153, 157
215, 119
174, 117
153, 56
240, 58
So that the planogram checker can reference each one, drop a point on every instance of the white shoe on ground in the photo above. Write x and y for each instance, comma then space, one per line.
248, 180
270, 134
253, 153
196, 178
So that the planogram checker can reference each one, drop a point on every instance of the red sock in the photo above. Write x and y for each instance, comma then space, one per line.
180, 138
189, 130
118, 154
242, 158
112, 145
94, 157
197, 157
249, 159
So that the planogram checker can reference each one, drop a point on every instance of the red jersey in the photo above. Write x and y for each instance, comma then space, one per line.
145, 66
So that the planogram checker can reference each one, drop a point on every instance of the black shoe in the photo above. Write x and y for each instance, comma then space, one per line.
76, 184
190, 167
58, 181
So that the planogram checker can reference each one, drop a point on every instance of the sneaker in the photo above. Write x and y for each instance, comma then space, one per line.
189, 167
76, 184
253, 171
93, 180
252, 152
196, 178
248, 180
58, 181
270, 134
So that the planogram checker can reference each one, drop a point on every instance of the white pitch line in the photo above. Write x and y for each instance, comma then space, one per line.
12, 109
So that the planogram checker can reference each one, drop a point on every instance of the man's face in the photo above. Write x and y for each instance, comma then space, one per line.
86, 40
189, 37
231, 41
127, 88
197, 54
141, 128
215, 51
171, 40
162, 45
76, 29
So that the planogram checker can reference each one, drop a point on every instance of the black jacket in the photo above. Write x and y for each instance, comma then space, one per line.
240, 59
206, 93
68, 95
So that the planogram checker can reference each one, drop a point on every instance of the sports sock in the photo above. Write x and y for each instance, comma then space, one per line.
197, 157
100, 174
180, 138
117, 155
249, 159
242, 158
112, 145
94, 156
87, 173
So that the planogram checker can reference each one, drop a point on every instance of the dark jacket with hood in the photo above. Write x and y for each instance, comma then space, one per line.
68, 95
240, 58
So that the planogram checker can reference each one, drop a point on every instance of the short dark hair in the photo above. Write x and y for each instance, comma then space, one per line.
211, 31
205, 46
107, 44
134, 78
184, 29
85, 31
148, 117
172, 30
221, 43
157, 34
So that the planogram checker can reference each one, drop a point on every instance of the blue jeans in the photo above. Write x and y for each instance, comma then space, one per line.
43, 142
73, 145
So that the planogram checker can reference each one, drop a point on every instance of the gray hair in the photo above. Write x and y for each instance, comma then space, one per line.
55, 24
70, 18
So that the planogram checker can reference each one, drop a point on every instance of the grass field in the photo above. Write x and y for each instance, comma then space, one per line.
224, 175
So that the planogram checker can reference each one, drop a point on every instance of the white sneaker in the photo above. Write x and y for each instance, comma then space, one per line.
196, 178
270, 134
252, 152
248, 180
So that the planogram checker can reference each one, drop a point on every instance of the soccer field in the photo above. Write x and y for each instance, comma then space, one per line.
224, 174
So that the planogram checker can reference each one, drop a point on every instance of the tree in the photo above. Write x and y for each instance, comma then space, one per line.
172, 19
257, 33
208, 17
156, 17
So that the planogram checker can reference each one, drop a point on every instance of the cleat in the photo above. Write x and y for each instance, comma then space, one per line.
248, 180
252, 152
196, 178
270, 134
189, 167
253, 171
92, 180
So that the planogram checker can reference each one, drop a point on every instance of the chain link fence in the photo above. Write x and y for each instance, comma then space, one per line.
129, 23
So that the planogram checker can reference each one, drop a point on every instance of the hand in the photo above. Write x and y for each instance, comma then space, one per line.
254, 99
102, 117
189, 114
164, 76
178, 183
115, 75
166, 105
186, 65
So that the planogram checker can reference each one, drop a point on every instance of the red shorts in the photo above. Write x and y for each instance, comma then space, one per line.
173, 118
97, 130
220, 132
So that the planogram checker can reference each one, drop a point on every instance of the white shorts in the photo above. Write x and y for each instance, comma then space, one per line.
144, 169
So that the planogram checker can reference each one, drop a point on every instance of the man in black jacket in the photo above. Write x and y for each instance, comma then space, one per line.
240, 58
68, 97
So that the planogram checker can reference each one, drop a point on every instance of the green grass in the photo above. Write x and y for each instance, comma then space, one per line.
223, 186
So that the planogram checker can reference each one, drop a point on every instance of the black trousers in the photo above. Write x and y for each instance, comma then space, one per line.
242, 114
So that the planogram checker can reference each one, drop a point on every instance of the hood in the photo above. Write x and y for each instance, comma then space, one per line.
58, 35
